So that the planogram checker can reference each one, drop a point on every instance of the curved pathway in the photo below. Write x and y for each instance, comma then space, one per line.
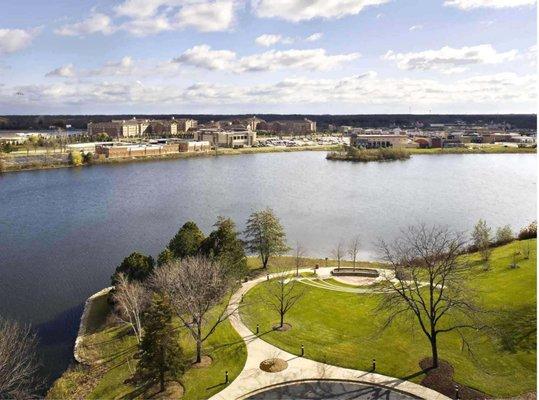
252, 379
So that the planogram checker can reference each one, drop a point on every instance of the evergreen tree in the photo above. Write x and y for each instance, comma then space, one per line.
164, 257
224, 247
136, 267
187, 241
265, 235
161, 357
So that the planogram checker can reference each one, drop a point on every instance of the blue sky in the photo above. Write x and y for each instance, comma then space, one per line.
255, 56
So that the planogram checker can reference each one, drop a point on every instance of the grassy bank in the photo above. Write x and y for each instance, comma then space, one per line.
343, 329
493, 149
111, 349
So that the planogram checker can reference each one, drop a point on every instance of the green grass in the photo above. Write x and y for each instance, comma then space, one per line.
487, 149
343, 329
113, 348
288, 262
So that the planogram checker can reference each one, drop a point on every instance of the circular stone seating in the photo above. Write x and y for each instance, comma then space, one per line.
366, 272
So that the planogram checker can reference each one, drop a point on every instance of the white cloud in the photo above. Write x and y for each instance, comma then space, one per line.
66, 71
141, 9
203, 56
147, 26
207, 16
448, 59
473, 4
268, 40
359, 90
95, 23
149, 17
316, 59
12, 40
314, 37
415, 28
300, 10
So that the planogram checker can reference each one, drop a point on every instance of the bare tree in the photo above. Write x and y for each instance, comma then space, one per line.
353, 250
338, 253
299, 257
131, 299
195, 286
283, 292
432, 287
18, 361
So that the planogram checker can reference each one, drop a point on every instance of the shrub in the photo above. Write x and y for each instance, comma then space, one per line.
88, 158
75, 158
528, 232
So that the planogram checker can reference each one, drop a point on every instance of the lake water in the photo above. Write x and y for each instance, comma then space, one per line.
62, 232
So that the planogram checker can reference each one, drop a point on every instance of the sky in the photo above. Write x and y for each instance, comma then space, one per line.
268, 56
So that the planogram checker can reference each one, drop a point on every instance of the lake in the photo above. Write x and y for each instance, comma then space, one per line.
62, 232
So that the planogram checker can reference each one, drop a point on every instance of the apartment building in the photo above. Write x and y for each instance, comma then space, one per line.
222, 138
141, 127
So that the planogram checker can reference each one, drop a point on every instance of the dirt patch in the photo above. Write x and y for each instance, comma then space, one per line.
285, 327
204, 362
527, 396
441, 380
173, 390
273, 365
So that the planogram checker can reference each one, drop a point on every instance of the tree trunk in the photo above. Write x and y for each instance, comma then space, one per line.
282, 320
265, 260
434, 348
199, 344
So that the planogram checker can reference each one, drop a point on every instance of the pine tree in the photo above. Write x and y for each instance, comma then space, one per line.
161, 357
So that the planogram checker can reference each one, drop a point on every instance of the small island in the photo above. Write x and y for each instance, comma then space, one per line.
350, 153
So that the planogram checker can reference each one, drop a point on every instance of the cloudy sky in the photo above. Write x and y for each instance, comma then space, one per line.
255, 56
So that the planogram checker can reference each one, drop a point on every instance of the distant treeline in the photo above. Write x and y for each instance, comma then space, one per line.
519, 121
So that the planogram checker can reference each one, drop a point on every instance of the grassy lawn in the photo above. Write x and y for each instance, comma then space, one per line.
487, 149
343, 329
112, 350
288, 262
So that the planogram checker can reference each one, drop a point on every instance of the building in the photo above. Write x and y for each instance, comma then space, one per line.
134, 150
378, 141
141, 127
228, 138
186, 124
192, 146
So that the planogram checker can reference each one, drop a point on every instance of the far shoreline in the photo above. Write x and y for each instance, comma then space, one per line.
34, 166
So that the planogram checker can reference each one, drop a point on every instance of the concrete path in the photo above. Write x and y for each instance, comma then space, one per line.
252, 378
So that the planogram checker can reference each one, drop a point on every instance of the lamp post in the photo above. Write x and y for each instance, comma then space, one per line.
374, 364
302, 350
226, 376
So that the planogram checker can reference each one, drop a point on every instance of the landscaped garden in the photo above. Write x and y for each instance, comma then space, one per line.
113, 350
344, 328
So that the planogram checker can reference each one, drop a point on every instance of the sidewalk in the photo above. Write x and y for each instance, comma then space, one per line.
252, 378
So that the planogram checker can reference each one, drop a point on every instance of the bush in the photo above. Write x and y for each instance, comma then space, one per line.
75, 158
365, 155
88, 158
529, 232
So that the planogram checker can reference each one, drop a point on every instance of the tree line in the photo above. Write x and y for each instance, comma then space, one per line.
191, 282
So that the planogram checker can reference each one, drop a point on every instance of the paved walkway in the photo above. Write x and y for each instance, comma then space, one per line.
252, 378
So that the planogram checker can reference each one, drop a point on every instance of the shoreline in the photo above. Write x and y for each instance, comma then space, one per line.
31, 166
84, 320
